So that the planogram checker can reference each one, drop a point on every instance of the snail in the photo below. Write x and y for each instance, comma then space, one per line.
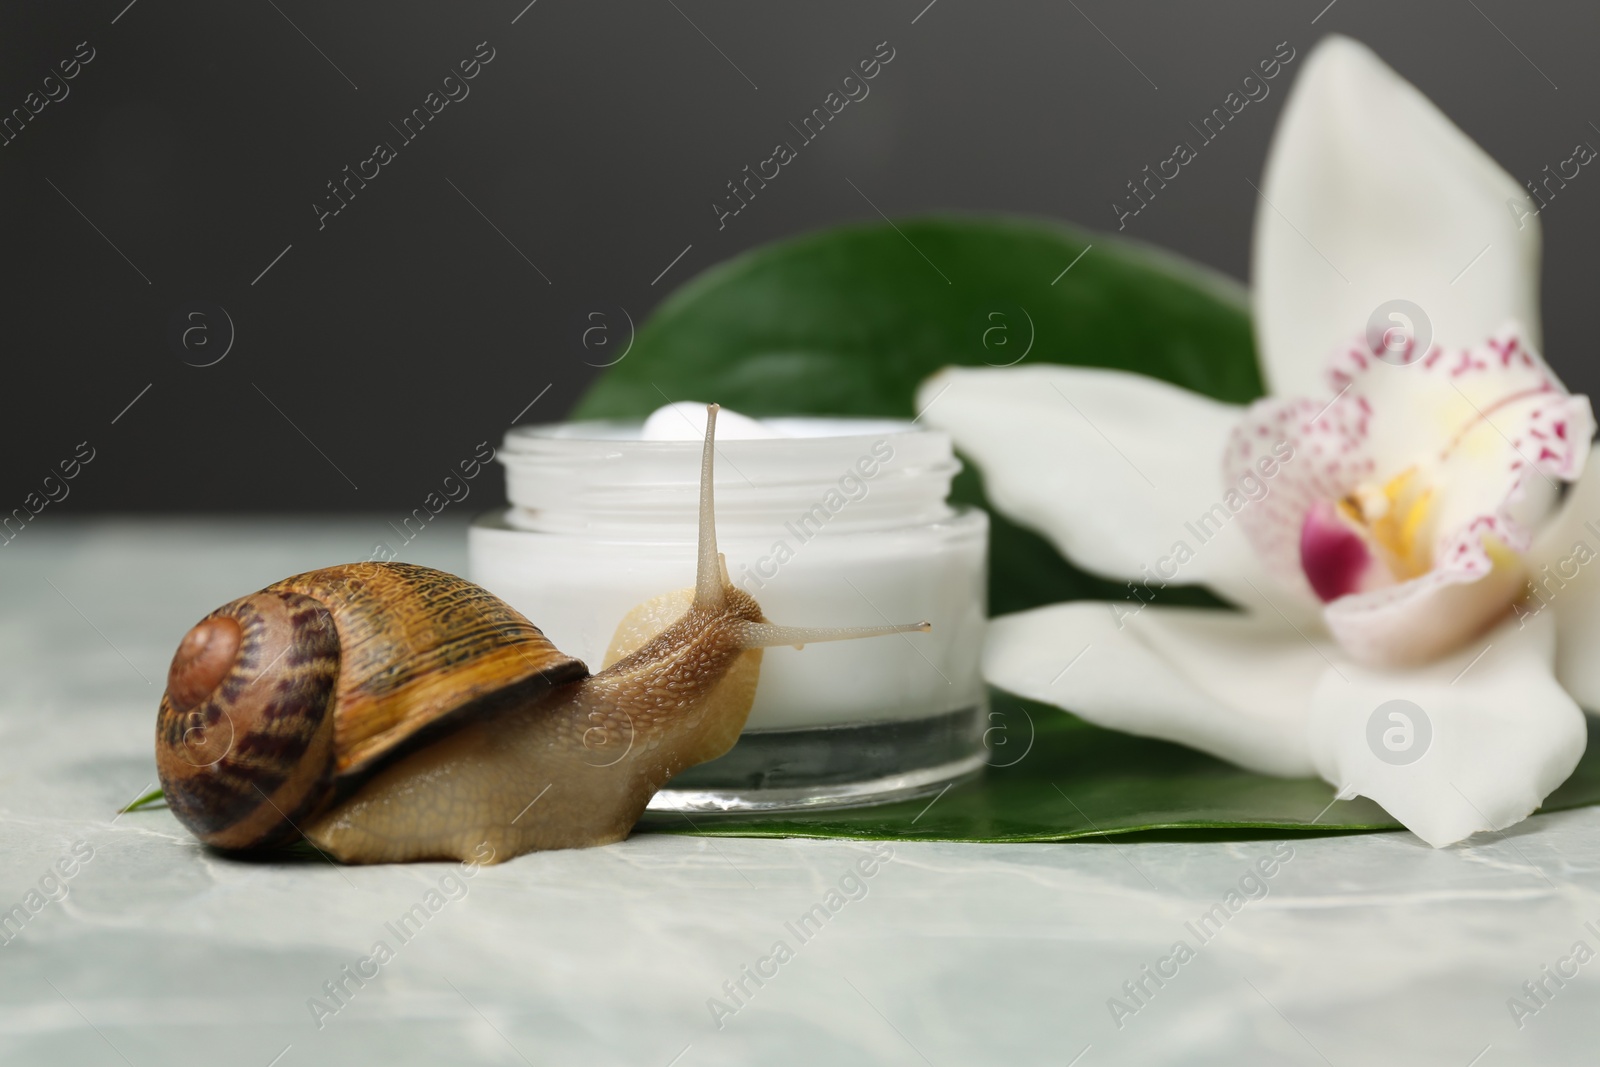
388, 712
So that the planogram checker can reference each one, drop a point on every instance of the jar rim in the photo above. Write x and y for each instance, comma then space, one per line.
601, 472
546, 437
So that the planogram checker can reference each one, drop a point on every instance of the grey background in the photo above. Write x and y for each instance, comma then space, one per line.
408, 329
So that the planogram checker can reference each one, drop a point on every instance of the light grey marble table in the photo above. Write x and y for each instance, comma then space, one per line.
1357, 950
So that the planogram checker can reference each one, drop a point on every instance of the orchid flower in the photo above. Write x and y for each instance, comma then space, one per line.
1389, 520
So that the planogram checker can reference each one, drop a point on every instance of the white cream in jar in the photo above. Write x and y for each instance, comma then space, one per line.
826, 522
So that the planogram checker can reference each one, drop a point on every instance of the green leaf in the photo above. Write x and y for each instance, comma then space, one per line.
850, 321
150, 799
1080, 781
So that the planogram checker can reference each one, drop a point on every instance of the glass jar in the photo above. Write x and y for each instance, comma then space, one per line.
835, 522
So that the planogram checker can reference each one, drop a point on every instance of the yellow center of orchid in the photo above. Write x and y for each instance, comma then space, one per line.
1394, 517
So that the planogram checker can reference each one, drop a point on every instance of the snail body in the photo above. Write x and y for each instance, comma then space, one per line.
389, 712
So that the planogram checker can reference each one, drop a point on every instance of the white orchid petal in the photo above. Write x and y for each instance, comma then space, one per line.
1488, 418
1116, 469
1426, 617
1564, 582
1371, 195
1490, 426
1478, 742
1233, 685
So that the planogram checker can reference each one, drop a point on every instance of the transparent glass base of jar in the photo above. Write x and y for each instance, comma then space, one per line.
816, 768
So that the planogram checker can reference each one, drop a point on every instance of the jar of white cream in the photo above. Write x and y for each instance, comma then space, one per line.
826, 522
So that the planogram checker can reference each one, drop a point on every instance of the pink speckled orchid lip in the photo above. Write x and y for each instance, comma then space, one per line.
1412, 478
1390, 526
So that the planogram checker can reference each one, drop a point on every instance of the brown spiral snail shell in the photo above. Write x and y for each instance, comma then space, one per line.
390, 712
